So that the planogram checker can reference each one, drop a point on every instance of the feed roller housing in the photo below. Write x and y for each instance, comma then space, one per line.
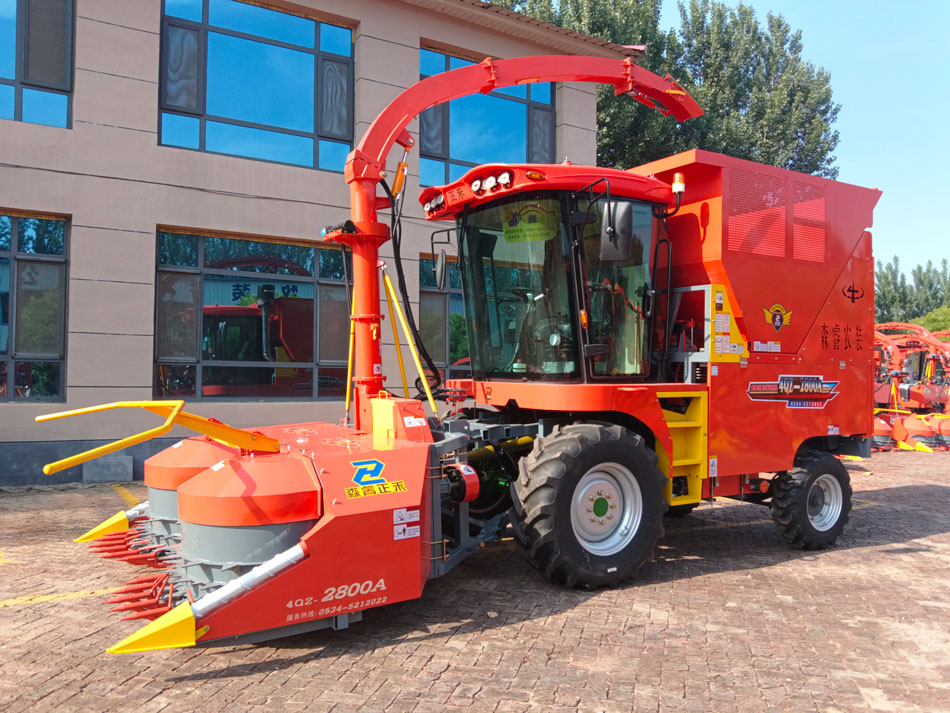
793, 256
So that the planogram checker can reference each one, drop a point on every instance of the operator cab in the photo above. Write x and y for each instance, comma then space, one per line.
556, 269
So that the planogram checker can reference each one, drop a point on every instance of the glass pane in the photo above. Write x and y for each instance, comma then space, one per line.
456, 171
174, 380
176, 249
180, 130
41, 236
431, 173
188, 9
253, 20
4, 304
332, 155
615, 285
259, 83
432, 131
331, 382
455, 276
3, 379
431, 62
427, 273
331, 264
39, 308
541, 92
338, 40
181, 68
49, 31
44, 107
8, 38
334, 323
256, 382
516, 258
258, 143
519, 90
257, 320
5, 228
458, 62
335, 98
458, 331
485, 129
7, 95
432, 324
542, 136
36, 380
176, 316
256, 256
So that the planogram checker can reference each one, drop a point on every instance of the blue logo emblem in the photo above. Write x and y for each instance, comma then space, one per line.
368, 472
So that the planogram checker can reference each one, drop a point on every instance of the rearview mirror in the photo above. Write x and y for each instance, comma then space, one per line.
440, 270
616, 232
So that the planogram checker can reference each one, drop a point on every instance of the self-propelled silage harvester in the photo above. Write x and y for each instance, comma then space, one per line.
634, 349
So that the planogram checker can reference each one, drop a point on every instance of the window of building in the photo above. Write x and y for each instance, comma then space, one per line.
32, 307
510, 125
442, 318
246, 80
249, 319
36, 61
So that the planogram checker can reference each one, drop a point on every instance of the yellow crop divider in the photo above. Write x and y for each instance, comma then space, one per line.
174, 415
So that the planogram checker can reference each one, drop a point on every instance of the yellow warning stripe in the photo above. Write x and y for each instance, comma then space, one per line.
39, 599
130, 500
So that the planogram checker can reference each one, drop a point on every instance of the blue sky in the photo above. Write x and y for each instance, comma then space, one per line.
887, 62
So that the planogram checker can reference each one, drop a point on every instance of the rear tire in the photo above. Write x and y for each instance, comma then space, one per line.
587, 507
811, 502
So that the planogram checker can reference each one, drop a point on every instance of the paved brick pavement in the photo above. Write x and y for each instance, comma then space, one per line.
727, 619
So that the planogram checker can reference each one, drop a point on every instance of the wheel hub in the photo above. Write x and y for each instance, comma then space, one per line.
606, 509
824, 502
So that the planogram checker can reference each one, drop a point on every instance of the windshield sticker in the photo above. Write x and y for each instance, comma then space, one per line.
529, 224
795, 391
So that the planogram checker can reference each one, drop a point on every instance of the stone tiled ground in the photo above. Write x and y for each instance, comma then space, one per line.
727, 619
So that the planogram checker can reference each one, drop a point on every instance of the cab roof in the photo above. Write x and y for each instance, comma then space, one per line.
448, 201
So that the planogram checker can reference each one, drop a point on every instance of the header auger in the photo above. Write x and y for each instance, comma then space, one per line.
631, 344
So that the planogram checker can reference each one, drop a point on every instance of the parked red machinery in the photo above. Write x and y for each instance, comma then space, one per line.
635, 348
916, 401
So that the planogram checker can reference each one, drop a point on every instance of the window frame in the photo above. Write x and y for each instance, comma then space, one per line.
198, 361
200, 113
12, 357
19, 82
443, 110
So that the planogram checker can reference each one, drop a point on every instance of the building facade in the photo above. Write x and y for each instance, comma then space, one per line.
166, 168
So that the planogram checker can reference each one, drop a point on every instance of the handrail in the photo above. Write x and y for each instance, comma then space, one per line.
251, 441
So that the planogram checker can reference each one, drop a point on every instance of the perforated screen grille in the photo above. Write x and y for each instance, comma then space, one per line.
757, 213
808, 240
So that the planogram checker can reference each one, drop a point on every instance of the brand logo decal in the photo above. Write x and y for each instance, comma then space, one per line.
368, 472
795, 391
777, 316
369, 478
852, 293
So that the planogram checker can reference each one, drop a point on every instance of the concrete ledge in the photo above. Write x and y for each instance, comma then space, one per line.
22, 463
109, 469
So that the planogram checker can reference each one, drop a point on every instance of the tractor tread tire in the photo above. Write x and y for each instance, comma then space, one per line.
789, 500
540, 532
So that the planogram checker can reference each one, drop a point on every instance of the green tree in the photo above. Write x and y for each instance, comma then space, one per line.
935, 321
897, 300
762, 100
891, 292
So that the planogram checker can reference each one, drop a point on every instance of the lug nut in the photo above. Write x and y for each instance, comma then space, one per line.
590, 509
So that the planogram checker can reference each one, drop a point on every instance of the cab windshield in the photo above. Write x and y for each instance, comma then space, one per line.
536, 267
516, 273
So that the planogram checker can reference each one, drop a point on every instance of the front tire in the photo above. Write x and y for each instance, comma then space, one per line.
811, 502
588, 505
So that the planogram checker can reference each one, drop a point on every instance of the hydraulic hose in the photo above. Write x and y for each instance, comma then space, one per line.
396, 231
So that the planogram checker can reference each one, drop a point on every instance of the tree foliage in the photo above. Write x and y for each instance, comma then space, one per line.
762, 100
897, 300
